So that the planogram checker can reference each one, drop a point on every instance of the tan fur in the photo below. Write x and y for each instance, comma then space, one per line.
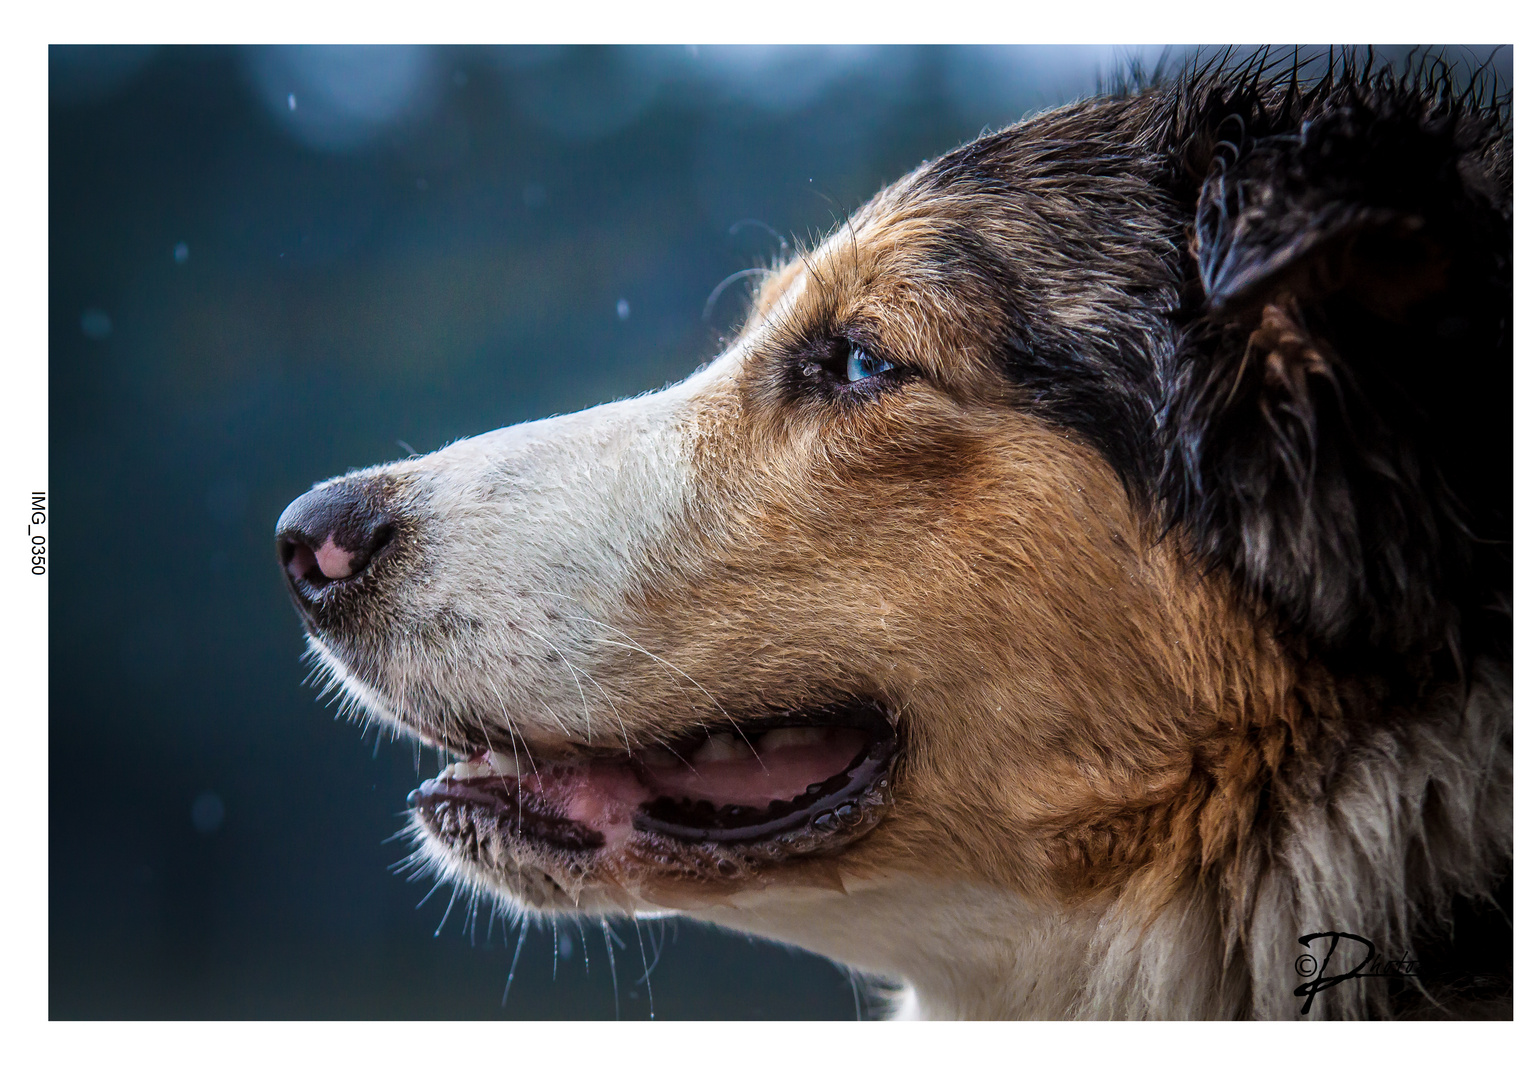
1077, 703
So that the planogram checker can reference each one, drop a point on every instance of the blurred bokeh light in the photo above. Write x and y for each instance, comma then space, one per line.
268, 265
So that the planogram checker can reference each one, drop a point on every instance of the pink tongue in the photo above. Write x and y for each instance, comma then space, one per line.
783, 773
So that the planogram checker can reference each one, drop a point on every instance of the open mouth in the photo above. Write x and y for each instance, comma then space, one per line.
766, 789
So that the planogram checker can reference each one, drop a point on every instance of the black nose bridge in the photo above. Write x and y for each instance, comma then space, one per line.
334, 532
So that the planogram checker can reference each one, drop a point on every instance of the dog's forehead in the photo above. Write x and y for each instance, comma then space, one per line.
909, 271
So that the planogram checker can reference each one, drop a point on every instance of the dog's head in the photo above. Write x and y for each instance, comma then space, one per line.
1033, 528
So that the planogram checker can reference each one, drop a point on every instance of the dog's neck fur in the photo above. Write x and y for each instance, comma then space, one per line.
1431, 793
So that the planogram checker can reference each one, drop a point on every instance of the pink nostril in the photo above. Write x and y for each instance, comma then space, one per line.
333, 561
330, 560
301, 562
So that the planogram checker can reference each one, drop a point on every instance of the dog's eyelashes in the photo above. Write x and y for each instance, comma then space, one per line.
846, 364
839, 369
860, 365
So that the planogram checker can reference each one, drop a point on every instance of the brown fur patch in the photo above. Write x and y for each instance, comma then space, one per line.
1076, 703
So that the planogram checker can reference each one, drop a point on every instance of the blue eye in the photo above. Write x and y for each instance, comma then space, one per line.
862, 365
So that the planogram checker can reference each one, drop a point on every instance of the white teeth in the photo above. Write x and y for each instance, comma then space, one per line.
722, 747
505, 764
780, 738
497, 765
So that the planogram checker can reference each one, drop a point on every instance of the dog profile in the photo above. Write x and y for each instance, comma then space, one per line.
1080, 590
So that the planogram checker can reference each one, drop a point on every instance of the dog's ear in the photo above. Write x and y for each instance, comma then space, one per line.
1358, 199
1356, 285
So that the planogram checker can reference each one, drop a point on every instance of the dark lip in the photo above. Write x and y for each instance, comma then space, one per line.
823, 806
846, 803
526, 815
306, 598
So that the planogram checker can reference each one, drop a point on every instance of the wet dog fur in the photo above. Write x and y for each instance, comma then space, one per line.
1171, 529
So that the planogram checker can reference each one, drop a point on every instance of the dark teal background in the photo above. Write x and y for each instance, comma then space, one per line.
267, 266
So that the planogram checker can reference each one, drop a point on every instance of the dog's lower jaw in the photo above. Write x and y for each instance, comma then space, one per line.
1437, 781
1432, 790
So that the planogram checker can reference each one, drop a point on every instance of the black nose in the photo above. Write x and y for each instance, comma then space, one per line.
333, 533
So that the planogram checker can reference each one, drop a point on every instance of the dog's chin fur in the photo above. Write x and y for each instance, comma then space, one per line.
1088, 459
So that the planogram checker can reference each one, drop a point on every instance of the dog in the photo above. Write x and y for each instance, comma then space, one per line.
1080, 590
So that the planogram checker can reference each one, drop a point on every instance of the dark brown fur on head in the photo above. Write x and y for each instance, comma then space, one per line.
1277, 298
